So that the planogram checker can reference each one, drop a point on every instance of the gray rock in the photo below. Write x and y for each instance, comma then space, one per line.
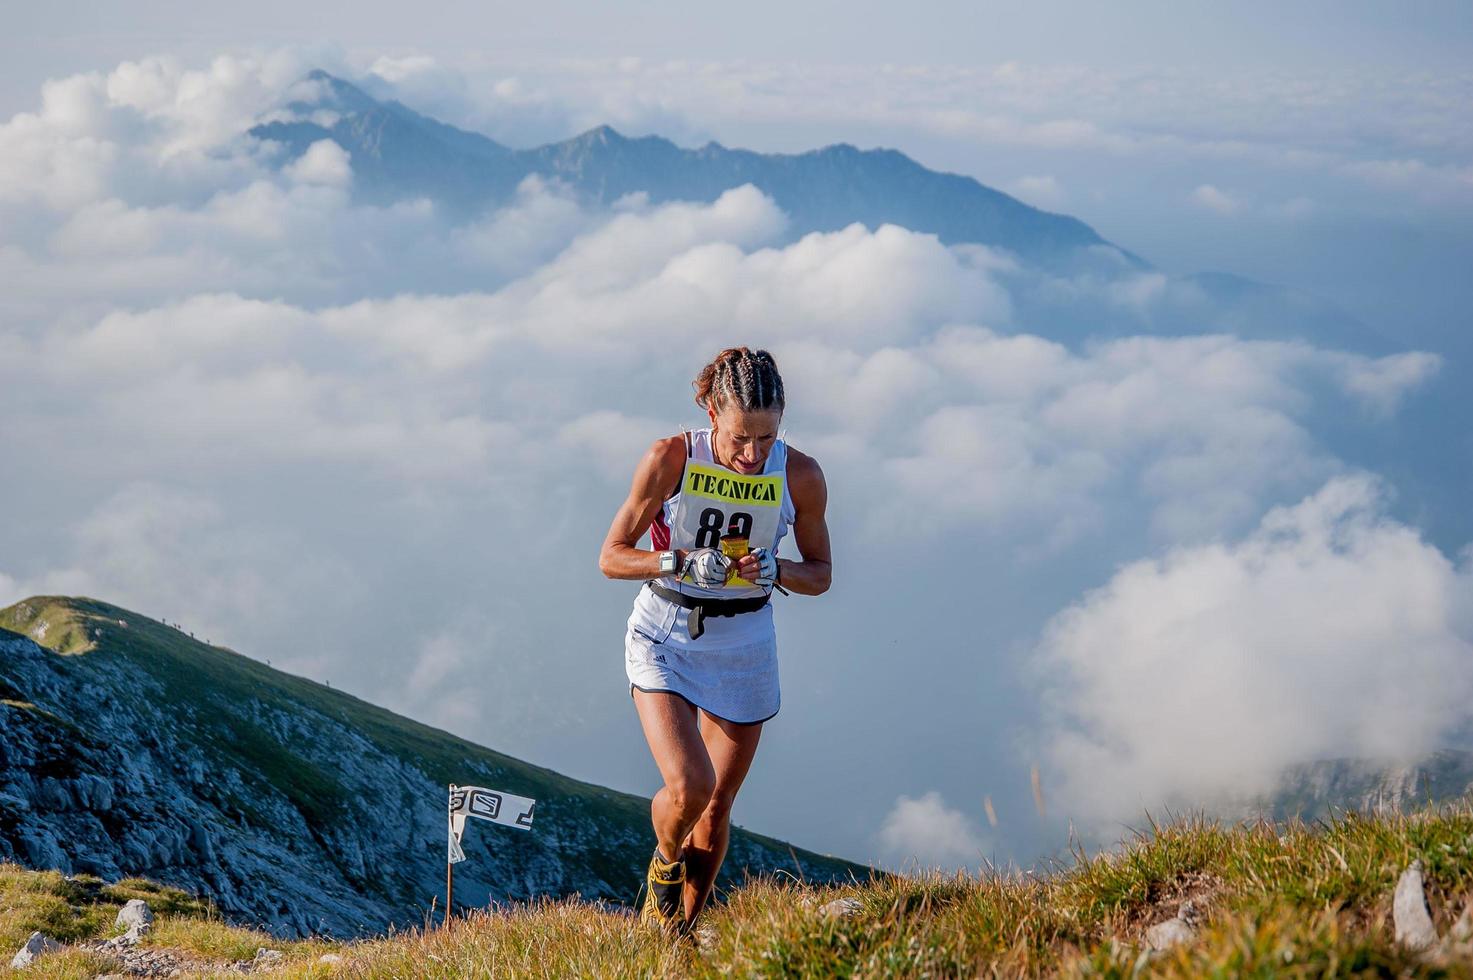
196, 772
1409, 912
330, 958
1172, 932
132, 854
135, 913
35, 948
199, 841
841, 908
266, 958
97, 791
53, 794
42, 850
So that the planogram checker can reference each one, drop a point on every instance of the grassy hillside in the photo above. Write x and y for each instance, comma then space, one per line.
1297, 901
284, 799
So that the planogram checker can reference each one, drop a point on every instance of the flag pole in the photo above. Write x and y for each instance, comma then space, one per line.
449, 866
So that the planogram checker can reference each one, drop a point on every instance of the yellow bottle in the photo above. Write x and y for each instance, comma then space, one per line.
735, 547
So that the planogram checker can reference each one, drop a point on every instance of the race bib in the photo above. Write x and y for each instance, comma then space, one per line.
720, 508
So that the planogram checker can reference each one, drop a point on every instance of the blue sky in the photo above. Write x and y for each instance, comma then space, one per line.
196, 340
1433, 36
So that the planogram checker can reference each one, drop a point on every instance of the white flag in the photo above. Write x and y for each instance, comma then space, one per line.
457, 828
488, 804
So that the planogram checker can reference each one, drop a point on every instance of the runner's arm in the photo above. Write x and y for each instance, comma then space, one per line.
654, 479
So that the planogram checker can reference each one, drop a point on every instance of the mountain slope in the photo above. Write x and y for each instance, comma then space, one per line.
129, 748
1319, 790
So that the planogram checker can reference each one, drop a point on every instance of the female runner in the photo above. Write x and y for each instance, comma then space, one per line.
701, 651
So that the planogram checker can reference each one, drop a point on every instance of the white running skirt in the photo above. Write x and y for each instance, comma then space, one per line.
733, 681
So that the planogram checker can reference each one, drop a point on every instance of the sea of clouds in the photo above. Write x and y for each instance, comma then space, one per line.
380, 446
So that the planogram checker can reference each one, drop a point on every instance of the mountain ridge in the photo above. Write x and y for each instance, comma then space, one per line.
467, 170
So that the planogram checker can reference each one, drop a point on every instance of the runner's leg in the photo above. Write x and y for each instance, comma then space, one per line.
731, 748
674, 737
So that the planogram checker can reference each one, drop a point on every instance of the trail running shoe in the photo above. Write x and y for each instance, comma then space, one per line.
664, 883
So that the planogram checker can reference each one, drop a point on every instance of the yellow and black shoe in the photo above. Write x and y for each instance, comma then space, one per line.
663, 904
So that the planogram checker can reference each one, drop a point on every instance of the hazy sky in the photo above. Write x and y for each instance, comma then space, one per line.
1358, 34
379, 445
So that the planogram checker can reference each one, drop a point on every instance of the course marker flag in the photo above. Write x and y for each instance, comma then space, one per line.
483, 804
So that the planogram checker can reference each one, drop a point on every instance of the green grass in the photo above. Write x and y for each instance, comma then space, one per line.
1289, 900
53, 622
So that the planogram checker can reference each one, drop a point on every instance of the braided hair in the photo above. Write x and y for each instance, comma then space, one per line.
743, 378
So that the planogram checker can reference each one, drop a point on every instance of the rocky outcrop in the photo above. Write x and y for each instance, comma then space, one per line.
1175, 931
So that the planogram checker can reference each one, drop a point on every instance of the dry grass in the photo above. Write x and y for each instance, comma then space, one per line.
84, 908
1296, 901
1278, 901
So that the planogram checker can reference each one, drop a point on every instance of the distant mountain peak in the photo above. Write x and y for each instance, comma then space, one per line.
330, 92
603, 135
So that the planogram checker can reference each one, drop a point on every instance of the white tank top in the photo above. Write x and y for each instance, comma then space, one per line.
714, 503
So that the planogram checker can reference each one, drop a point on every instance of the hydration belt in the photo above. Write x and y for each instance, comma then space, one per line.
702, 606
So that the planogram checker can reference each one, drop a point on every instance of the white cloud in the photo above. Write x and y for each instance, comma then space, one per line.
613, 439
427, 385
1382, 383
1138, 292
177, 554
1041, 191
402, 69
324, 163
1297, 208
531, 229
927, 832
1215, 200
1430, 180
1329, 631
147, 130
